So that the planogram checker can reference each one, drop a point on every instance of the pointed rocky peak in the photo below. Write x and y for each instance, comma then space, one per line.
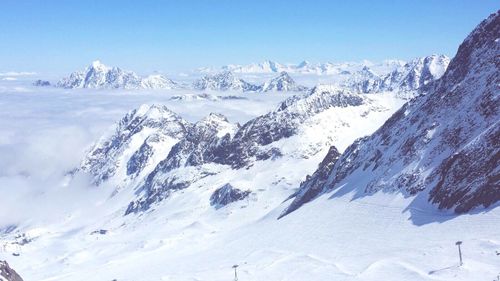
134, 129
303, 64
217, 123
283, 82
99, 76
98, 65
271, 65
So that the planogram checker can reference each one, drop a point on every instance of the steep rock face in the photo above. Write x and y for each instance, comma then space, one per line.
223, 81
279, 124
137, 133
7, 273
211, 131
282, 83
227, 194
444, 143
315, 183
100, 76
214, 140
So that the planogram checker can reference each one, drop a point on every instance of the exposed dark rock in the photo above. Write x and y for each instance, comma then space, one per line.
7, 273
313, 185
101, 161
226, 195
41, 83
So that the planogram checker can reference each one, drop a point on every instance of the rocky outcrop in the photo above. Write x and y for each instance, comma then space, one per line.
444, 144
41, 83
7, 273
227, 194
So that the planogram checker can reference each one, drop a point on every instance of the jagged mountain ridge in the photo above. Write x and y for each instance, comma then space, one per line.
223, 81
141, 132
442, 146
226, 80
306, 67
412, 76
100, 76
214, 144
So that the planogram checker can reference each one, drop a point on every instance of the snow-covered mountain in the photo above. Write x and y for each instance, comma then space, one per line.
187, 200
157, 81
300, 129
306, 67
441, 147
282, 83
223, 81
137, 142
409, 77
100, 76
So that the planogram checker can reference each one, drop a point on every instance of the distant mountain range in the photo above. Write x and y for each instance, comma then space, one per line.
366, 77
306, 67
100, 76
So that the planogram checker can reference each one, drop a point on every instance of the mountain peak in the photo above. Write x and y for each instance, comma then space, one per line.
439, 149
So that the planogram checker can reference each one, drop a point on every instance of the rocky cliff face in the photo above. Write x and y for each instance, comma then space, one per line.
139, 133
443, 145
7, 273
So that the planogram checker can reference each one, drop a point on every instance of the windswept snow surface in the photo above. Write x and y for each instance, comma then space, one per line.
66, 229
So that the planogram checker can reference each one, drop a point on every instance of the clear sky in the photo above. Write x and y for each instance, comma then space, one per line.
57, 36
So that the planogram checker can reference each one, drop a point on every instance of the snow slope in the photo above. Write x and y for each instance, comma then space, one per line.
441, 147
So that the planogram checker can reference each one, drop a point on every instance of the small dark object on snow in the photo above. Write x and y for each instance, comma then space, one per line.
235, 273
100, 231
41, 83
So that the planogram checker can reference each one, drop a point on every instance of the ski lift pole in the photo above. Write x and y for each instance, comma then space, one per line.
458, 243
235, 272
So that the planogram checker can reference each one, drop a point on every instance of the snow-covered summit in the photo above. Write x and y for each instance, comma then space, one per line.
134, 132
282, 83
99, 76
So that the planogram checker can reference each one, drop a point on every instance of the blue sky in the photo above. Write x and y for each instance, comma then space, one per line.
55, 36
